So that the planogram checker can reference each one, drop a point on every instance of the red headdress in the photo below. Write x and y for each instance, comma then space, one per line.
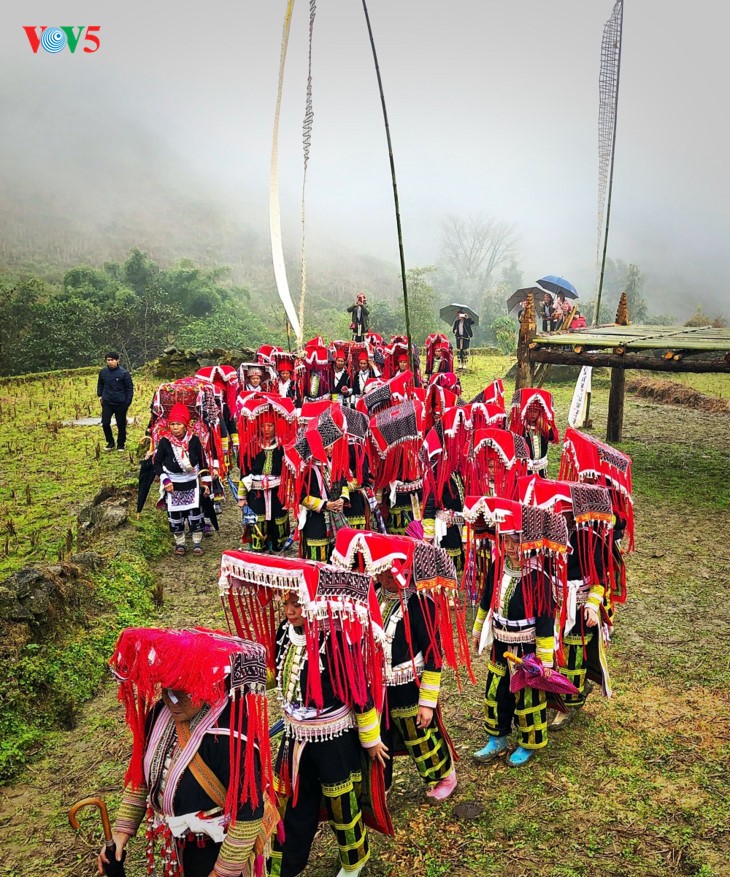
488, 414
340, 349
492, 394
332, 599
444, 445
395, 352
438, 399
323, 441
312, 410
283, 361
265, 353
527, 400
396, 438
256, 409
438, 341
359, 351
591, 508
212, 668
586, 458
224, 378
201, 414
447, 380
419, 568
317, 379
179, 413
497, 458
373, 339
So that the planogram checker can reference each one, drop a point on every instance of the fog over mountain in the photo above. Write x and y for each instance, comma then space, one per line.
162, 138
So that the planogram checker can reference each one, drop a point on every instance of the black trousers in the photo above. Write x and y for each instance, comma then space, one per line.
119, 410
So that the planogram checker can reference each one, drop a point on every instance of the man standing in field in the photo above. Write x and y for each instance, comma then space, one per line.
115, 391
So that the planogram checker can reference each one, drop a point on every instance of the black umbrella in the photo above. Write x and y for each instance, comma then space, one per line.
450, 312
146, 480
113, 868
518, 297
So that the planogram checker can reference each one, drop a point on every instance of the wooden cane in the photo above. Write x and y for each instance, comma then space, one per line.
93, 802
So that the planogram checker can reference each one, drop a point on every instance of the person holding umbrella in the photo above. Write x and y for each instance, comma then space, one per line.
463, 333
203, 787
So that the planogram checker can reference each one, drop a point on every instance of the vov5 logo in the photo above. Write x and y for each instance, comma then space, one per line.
55, 39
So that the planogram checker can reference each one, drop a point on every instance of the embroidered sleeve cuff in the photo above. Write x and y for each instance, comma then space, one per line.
368, 728
479, 621
544, 648
314, 503
242, 491
132, 809
595, 596
429, 528
237, 848
428, 694
345, 492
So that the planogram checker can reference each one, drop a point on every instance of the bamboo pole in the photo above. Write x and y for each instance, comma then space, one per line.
610, 176
395, 187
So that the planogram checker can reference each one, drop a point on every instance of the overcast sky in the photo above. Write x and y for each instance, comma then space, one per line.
493, 108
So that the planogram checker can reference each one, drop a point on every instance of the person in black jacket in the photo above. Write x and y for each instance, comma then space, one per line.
463, 333
115, 391
359, 313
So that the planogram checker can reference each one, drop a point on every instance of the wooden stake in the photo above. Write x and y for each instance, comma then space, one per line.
528, 330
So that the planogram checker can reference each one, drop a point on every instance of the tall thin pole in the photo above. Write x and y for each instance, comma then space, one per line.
395, 186
610, 177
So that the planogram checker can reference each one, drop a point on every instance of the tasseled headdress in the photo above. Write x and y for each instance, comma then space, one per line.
256, 409
396, 438
496, 459
437, 340
586, 458
317, 372
523, 401
332, 599
485, 415
324, 441
492, 394
592, 511
204, 412
211, 668
224, 378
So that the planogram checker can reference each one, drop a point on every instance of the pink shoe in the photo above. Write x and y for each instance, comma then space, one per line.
443, 789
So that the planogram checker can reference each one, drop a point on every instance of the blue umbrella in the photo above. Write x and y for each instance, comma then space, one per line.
554, 284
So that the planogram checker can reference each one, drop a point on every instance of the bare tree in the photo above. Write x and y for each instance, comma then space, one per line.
476, 247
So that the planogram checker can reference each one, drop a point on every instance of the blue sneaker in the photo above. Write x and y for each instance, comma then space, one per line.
520, 756
497, 746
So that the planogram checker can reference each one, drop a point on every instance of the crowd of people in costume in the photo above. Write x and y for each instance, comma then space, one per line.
376, 504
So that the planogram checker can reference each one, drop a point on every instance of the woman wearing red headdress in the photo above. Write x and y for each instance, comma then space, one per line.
200, 784
181, 467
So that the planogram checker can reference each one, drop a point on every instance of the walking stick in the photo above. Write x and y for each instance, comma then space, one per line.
113, 868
